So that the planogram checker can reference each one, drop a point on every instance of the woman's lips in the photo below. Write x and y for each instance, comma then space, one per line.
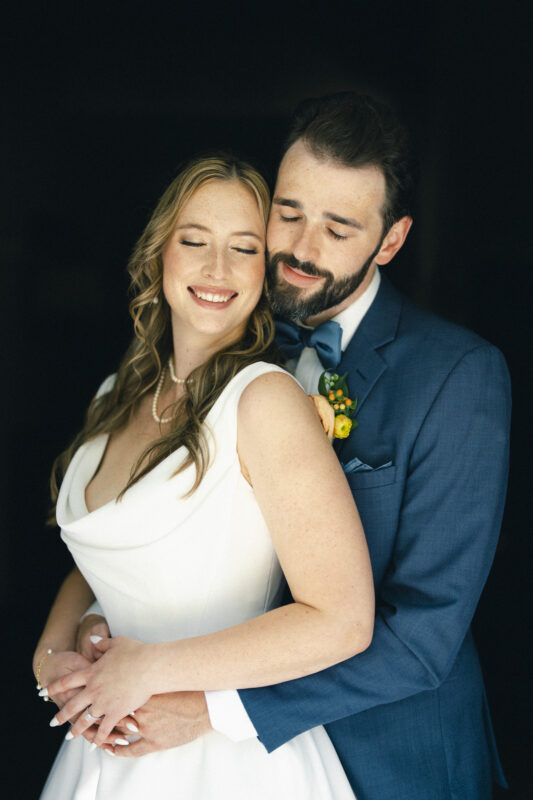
208, 297
297, 277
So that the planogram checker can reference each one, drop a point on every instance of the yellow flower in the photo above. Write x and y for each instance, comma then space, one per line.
343, 426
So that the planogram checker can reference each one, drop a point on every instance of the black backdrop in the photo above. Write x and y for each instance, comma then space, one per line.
102, 101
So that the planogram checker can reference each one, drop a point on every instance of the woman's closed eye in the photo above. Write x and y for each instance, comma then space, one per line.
192, 244
247, 251
289, 219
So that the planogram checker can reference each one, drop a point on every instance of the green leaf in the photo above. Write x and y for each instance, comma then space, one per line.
322, 384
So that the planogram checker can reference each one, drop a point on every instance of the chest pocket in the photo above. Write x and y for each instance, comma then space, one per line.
369, 479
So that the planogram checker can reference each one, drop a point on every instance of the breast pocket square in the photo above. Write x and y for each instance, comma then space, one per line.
356, 465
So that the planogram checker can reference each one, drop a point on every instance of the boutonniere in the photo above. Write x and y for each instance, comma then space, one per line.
334, 405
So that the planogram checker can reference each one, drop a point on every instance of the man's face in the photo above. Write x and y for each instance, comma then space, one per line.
324, 234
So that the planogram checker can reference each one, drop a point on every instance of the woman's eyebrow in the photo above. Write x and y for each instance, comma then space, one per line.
198, 227
247, 233
192, 225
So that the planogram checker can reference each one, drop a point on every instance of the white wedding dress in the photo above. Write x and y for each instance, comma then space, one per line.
164, 568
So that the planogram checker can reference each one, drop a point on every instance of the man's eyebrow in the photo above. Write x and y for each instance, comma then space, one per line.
284, 201
196, 226
352, 223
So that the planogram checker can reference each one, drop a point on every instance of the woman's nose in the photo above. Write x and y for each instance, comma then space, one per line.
216, 264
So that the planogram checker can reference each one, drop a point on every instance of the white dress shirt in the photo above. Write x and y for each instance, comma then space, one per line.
226, 710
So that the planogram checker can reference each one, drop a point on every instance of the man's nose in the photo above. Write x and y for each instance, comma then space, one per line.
305, 245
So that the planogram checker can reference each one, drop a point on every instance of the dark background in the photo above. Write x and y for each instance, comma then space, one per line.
102, 101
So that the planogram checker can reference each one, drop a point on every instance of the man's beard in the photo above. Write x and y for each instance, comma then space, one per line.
289, 301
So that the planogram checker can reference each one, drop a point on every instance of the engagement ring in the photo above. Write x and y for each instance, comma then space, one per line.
89, 717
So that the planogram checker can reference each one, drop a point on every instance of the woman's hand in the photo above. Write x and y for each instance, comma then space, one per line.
91, 625
325, 413
59, 665
109, 689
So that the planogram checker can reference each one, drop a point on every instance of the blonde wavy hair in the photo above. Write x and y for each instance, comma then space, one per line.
151, 346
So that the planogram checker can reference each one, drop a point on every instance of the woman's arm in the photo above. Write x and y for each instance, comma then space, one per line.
59, 635
61, 627
319, 540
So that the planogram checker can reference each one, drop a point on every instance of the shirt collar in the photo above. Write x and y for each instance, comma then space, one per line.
350, 318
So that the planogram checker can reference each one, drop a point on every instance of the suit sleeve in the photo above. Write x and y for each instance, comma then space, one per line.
447, 535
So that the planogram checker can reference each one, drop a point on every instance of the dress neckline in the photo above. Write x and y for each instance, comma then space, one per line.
94, 452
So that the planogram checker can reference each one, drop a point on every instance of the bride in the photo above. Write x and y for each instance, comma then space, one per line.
202, 476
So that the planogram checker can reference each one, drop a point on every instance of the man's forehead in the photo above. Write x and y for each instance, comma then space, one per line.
304, 177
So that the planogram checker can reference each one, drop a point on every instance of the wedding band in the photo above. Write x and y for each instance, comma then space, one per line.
89, 717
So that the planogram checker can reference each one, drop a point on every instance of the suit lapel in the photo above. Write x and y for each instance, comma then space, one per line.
361, 359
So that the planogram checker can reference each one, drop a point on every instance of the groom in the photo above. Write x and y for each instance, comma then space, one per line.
427, 465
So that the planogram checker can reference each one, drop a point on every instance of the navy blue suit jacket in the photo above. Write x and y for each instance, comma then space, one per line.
409, 716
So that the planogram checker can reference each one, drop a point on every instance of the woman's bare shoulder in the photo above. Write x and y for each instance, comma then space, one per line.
275, 408
270, 393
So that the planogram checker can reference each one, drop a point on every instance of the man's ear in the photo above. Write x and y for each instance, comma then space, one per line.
394, 239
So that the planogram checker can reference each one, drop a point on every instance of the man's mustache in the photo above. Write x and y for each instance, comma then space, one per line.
304, 266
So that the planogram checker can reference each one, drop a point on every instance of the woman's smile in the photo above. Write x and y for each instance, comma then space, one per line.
212, 297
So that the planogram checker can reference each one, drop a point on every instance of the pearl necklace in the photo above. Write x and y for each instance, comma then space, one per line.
159, 420
172, 373
164, 420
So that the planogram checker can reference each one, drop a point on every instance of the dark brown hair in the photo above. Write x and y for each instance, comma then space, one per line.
357, 130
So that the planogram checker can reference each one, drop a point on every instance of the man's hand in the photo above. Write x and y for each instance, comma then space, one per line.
165, 721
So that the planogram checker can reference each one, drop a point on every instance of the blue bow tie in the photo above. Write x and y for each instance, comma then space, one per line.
325, 338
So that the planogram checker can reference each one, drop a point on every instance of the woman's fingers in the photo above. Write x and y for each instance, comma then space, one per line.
136, 749
80, 727
75, 706
104, 731
97, 730
64, 697
128, 725
104, 727
100, 643
116, 737
73, 680
92, 625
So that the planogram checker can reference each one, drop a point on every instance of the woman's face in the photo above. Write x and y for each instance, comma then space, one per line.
214, 264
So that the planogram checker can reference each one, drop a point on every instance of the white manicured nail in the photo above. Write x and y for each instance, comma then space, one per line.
131, 727
43, 693
95, 639
121, 741
109, 752
69, 736
53, 722
92, 747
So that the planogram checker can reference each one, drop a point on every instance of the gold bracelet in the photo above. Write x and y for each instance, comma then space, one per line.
38, 671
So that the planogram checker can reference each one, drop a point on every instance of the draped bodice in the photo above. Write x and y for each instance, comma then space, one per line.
164, 565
